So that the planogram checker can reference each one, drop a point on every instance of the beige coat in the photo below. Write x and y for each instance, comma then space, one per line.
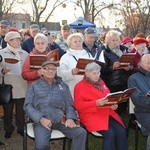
18, 83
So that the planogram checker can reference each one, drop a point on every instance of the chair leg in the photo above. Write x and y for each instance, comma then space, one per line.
25, 138
87, 142
128, 128
64, 144
136, 137
68, 144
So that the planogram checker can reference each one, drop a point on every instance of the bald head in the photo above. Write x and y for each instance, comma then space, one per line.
145, 62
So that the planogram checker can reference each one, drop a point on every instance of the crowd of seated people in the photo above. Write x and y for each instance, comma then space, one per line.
81, 93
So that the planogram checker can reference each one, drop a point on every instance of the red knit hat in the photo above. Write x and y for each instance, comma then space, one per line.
137, 41
126, 39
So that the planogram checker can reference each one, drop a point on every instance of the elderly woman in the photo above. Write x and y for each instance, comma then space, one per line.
40, 42
114, 77
89, 97
13, 51
68, 61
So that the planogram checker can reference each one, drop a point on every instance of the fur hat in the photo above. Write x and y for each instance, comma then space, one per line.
137, 41
12, 35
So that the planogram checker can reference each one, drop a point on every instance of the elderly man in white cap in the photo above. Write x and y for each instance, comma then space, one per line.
4, 29
13, 51
28, 44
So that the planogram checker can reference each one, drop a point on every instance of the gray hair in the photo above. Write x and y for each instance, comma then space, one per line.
40, 36
72, 36
92, 66
110, 34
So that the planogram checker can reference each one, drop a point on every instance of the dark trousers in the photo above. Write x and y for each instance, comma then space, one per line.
8, 110
115, 136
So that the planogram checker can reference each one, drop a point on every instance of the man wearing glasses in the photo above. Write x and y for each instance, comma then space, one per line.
47, 101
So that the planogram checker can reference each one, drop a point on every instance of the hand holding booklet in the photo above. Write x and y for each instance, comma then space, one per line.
126, 59
119, 97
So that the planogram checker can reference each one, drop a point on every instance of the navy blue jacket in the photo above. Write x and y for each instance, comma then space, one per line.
28, 45
141, 80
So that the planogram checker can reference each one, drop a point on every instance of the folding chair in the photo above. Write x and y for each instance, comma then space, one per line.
28, 131
133, 123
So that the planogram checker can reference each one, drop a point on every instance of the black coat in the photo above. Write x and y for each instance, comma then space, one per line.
114, 79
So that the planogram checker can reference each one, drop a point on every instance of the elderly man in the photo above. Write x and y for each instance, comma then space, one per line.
4, 29
47, 101
28, 44
141, 97
89, 44
62, 38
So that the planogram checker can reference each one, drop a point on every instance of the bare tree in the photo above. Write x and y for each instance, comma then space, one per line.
92, 8
6, 7
39, 7
135, 16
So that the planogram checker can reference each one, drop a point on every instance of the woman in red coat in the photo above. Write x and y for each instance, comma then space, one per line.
89, 97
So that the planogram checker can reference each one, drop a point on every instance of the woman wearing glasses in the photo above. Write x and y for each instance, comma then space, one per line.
40, 42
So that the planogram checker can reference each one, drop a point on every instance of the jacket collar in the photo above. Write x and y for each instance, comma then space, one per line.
144, 72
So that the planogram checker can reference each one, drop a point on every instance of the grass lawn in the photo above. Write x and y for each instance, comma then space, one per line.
96, 143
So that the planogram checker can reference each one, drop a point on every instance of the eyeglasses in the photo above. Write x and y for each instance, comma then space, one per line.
40, 43
50, 69
47, 34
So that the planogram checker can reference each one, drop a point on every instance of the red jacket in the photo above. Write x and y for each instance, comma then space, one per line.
92, 117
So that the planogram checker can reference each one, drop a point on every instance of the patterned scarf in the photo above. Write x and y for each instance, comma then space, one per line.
15, 51
94, 84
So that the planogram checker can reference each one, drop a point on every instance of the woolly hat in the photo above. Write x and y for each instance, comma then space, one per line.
5, 23
12, 35
137, 41
126, 39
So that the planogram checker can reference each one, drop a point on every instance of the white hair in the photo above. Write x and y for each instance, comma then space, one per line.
110, 34
92, 66
72, 36
40, 36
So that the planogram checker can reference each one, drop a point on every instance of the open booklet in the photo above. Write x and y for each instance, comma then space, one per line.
37, 60
14, 66
119, 97
82, 62
126, 59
